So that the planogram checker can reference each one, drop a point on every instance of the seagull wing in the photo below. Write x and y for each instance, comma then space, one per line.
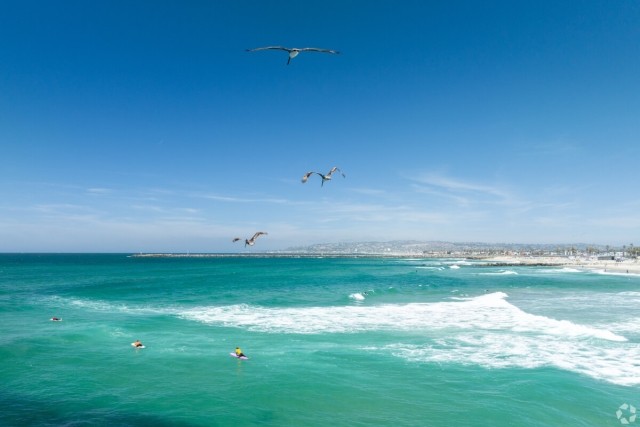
270, 48
315, 49
333, 169
258, 234
306, 176
236, 239
252, 240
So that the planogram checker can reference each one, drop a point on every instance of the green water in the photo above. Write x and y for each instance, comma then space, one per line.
341, 342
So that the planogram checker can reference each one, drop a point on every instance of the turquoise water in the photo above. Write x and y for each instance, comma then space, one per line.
339, 342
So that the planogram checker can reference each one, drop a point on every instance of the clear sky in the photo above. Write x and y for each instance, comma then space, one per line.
130, 126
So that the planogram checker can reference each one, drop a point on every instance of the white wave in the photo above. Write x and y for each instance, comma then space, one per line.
618, 364
97, 305
486, 312
623, 301
550, 270
357, 296
499, 273
555, 270
486, 331
615, 273
106, 307
569, 270
629, 294
628, 326
458, 262
454, 267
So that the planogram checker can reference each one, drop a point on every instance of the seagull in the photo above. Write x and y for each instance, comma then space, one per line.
326, 177
252, 240
294, 51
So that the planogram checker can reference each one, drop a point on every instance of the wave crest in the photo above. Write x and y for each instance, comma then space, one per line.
486, 312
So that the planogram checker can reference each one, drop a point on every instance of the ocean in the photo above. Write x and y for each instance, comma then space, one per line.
330, 341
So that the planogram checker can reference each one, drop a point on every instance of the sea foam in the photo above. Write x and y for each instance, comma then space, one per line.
499, 273
358, 296
486, 330
616, 364
486, 312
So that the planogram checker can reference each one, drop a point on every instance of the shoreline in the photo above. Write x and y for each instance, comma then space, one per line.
628, 266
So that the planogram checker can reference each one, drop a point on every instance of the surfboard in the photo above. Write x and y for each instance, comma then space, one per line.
134, 345
238, 357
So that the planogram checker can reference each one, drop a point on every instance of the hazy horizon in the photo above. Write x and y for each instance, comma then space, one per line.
394, 245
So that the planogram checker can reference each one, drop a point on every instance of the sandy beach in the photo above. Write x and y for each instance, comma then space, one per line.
627, 266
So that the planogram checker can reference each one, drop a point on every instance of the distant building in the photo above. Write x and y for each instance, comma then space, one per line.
605, 258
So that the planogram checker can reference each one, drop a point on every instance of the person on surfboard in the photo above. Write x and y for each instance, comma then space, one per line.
137, 343
239, 352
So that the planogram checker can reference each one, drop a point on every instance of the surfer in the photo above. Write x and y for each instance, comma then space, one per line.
239, 352
55, 319
137, 343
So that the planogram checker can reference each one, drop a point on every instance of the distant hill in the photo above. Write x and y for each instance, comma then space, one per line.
408, 247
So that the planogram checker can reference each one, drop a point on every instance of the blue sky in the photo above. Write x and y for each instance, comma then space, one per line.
146, 126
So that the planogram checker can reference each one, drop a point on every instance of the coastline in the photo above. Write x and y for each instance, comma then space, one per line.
627, 266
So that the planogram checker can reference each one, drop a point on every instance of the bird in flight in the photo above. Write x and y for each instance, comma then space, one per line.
252, 240
294, 51
326, 177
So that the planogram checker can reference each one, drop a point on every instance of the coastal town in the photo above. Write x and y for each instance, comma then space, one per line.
607, 258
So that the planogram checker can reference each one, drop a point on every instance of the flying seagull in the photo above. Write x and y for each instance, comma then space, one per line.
252, 240
294, 51
326, 177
